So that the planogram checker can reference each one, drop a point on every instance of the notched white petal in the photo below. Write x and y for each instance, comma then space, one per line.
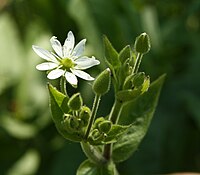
55, 74
79, 48
46, 66
45, 54
71, 78
86, 62
68, 44
56, 46
82, 74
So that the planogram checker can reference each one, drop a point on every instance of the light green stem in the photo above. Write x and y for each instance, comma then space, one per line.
114, 117
63, 86
93, 153
137, 63
93, 114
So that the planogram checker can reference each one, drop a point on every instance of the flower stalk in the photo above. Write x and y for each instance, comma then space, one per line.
113, 117
93, 114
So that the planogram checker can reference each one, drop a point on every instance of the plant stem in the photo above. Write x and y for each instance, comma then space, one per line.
114, 117
93, 153
63, 86
137, 63
93, 114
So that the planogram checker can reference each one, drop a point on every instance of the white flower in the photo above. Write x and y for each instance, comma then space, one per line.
68, 60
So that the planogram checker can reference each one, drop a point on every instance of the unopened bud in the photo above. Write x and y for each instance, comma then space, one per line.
142, 43
101, 84
75, 102
85, 115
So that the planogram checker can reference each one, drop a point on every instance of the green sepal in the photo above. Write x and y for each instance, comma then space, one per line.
124, 71
58, 104
125, 53
105, 126
144, 107
111, 54
89, 168
85, 115
115, 132
75, 102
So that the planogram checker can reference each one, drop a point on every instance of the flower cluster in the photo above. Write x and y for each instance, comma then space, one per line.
67, 61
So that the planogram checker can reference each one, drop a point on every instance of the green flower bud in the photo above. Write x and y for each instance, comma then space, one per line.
85, 115
142, 43
70, 123
75, 102
105, 126
101, 84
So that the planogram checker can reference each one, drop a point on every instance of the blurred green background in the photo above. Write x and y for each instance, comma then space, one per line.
29, 142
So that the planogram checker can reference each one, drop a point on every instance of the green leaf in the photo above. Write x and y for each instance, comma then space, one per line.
89, 168
58, 103
140, 113
111, 54
125, 53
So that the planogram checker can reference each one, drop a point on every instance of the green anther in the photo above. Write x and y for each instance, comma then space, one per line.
67, 63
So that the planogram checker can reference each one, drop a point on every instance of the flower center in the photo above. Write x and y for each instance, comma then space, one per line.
67, 63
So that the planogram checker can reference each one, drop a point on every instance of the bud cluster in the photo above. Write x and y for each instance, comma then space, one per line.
100, 130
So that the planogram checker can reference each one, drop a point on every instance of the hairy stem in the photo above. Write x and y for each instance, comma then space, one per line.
63, 86
93, 153
114, 117
93, 114
137, 63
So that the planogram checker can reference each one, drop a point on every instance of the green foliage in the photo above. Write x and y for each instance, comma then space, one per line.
144, 107
111, 54
25, 120
59, 106
89, 168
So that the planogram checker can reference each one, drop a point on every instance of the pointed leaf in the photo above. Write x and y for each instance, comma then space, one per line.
111, 54
140, 113
58, 103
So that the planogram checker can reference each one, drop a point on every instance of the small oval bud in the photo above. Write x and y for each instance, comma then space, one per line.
75, 102
105, 126
142, 43
85, 115
101, 84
